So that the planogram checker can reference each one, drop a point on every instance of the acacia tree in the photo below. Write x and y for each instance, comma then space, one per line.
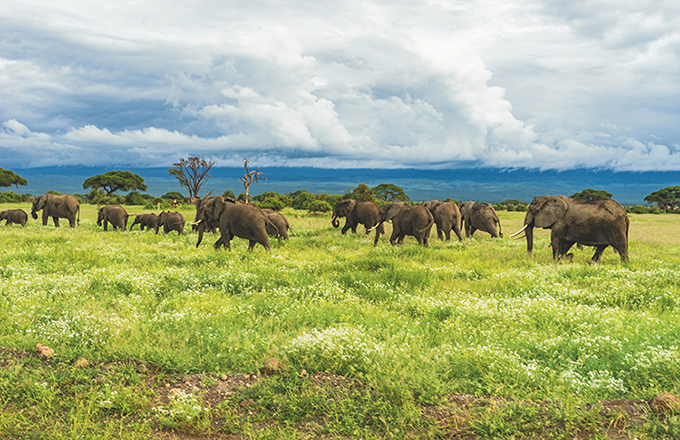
592, 194
667, 198
362, 192
192, 173
114, 181
390, 193
250, 177
9, 178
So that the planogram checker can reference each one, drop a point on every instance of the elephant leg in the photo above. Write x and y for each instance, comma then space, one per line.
251, 245
598, 253
395, 234
439, 232
472, 231
56, 221
346, 227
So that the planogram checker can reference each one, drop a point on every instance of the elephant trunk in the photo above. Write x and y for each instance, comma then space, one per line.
201, 229
34, 215
529, 231
334, 221
378, 230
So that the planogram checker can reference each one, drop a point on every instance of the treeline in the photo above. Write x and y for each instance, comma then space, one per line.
192, 174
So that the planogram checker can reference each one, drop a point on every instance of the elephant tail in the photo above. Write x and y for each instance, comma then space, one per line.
78, 219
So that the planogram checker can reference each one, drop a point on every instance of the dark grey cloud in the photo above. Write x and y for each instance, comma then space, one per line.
545, 85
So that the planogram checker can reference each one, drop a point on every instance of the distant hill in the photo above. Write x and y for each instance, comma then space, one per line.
485, 184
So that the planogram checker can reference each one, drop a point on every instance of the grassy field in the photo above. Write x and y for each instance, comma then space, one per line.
154, 338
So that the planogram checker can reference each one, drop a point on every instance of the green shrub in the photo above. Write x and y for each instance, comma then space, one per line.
135, 198
272, 203
10, 197
319, 206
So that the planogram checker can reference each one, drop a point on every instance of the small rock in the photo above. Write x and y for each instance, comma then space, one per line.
142, 368
665, 403
82, 363
224, 377
45, 351
173, 391
246, 376
303, 373
246, 403
273, 366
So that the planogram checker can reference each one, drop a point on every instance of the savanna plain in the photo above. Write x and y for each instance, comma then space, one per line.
155, 338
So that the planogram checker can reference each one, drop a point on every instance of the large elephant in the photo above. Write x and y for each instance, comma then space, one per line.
357, 212
149, 221
114, 214
205, 224
280, 221
171, 221
415, 221
57, 206
447, 217
480, 216
14, 216
235, 220
598, 223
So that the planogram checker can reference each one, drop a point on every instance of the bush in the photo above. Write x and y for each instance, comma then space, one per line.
319, 206
229, 193
113, 199
56, 193
135, 198
303, 200
637, 209
158, 203
173, 195
10, 197
271, 203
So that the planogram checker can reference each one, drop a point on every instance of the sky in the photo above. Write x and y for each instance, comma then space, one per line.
545, 85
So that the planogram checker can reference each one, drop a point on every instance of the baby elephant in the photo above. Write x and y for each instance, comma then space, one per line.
171, 221
14, 216
149, 221
114, 214
279, 226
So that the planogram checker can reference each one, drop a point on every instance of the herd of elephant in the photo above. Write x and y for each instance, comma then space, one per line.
597, 223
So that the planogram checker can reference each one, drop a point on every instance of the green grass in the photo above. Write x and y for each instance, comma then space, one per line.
408, 327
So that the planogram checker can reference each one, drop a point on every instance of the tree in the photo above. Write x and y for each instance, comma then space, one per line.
390, 193
9, 178
192, 173
250, 177
173, 195
592, 194
361, 192
667, 198
114, 181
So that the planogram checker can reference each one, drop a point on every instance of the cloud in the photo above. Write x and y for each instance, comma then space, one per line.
544, 85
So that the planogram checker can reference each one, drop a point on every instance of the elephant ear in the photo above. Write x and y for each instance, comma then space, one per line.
214, 209
39, 203
552, 210
345, 207
393, 210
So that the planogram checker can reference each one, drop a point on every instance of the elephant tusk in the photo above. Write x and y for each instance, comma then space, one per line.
520, 237
196, 222
520, 231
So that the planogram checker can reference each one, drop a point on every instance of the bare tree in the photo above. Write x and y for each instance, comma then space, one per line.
192, 173
250, 178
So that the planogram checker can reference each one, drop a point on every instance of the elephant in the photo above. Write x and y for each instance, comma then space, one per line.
480, 216
415, 221
114, 214
171, 221
149, 221
447, 218
278, 220
14, 216
598, 223
245, 221
205, 224
56, 206
357, 212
